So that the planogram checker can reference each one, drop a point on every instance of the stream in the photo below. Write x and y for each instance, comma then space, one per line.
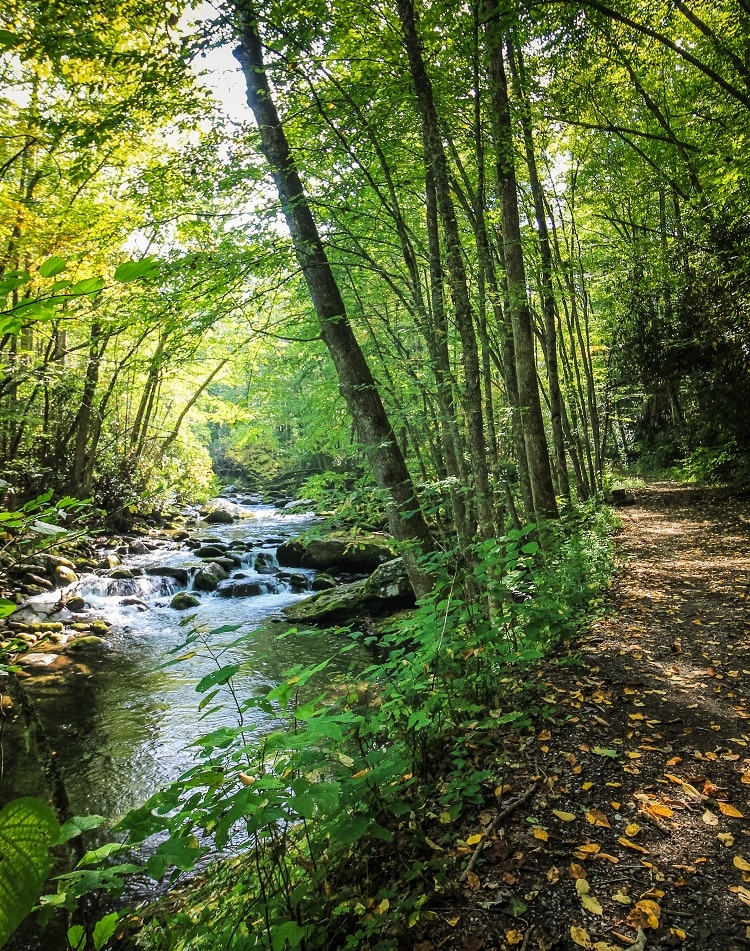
121, 723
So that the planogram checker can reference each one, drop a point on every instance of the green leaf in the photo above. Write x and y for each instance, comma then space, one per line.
131, 270
52, 266
77, 937
89, 285
8, 40
289, 933
7, 607
46, 528
601, 751
27, 830
104, 929
217, 677
76, 825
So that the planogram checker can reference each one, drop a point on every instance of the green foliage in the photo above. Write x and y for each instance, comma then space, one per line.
28, 830
329, 807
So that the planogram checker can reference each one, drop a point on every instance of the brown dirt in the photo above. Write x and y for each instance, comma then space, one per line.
639, 814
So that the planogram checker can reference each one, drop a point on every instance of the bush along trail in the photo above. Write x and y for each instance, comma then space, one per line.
623, 820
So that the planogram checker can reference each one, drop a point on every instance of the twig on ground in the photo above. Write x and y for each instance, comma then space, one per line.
499, 818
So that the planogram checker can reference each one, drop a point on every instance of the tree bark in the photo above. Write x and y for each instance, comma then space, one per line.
406, 521
540, 473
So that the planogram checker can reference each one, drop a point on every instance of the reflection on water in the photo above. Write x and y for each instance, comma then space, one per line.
121, 724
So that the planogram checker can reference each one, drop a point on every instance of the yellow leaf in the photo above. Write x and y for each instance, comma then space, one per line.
587, 851
678, 933
454, 921
728, 810
383, 907
580, 936
632, 754
544, 736
564, 816
245, 779
622, 898
741, 863
446, 818
745, 778
646, 913
709, 818
658, 809
433, 845
541, 834
632, 845
472, 880
742, 893
553, 874
588, 785
513, 936
474, 839
577, 871
632, 829
596, 817
726, 838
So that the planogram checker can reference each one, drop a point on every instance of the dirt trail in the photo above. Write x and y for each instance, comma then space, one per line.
641, 816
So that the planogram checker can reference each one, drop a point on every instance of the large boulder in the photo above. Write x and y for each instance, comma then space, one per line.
223, 512
386, 591
338, 552
209, 576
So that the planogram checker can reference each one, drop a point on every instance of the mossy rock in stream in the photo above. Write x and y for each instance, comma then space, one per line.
386, 591
183, 601
338, 551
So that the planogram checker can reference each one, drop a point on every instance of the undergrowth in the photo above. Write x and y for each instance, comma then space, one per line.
327, 821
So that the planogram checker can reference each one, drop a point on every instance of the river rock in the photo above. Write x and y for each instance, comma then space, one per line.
87, 642
209, 576
211, 551
183, 600
76, 603
241, 589
353, 553
322, 582
65, 575
38, 660
180, 575
110, 561
386, 591
39, 581
223, 512
122, 573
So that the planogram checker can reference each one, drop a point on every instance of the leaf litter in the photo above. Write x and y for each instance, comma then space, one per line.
624, 812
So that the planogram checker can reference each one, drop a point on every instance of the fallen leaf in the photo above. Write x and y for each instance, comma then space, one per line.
622, 898
544, 736
632, 829
658, 809
741, 864
587, 851
580, 936
553, 874
632, 845
728, 810
646, 914
709, 818
474, 839
513, 936
587, 900
541, 834
597, 818
577, 871
472, 880
564, 816
742, 893
726, 838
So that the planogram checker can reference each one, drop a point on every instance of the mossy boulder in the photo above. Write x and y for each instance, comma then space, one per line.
338, 552
386, 591
183, 601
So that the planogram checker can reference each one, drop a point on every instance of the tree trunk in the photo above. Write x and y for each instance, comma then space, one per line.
357, 385
545, 505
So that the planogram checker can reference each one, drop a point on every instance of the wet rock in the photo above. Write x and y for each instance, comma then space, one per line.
211, 551
38, 660
49, 627
386, 591
223, 512
87, 642
180, 575
55, 561
209, 577
76, 603
183, 600
38, 580
353, 553
110, 561
121, 573
322, 582
241, 589
65, 575
99, 627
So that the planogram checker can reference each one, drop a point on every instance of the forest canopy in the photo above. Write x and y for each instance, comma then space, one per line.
535, 215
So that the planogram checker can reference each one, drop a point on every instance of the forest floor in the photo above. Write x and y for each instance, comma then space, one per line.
624, 819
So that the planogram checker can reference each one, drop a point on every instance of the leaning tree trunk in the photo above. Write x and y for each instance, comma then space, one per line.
357, 384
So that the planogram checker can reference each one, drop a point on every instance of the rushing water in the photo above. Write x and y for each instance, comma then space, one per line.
121, 723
